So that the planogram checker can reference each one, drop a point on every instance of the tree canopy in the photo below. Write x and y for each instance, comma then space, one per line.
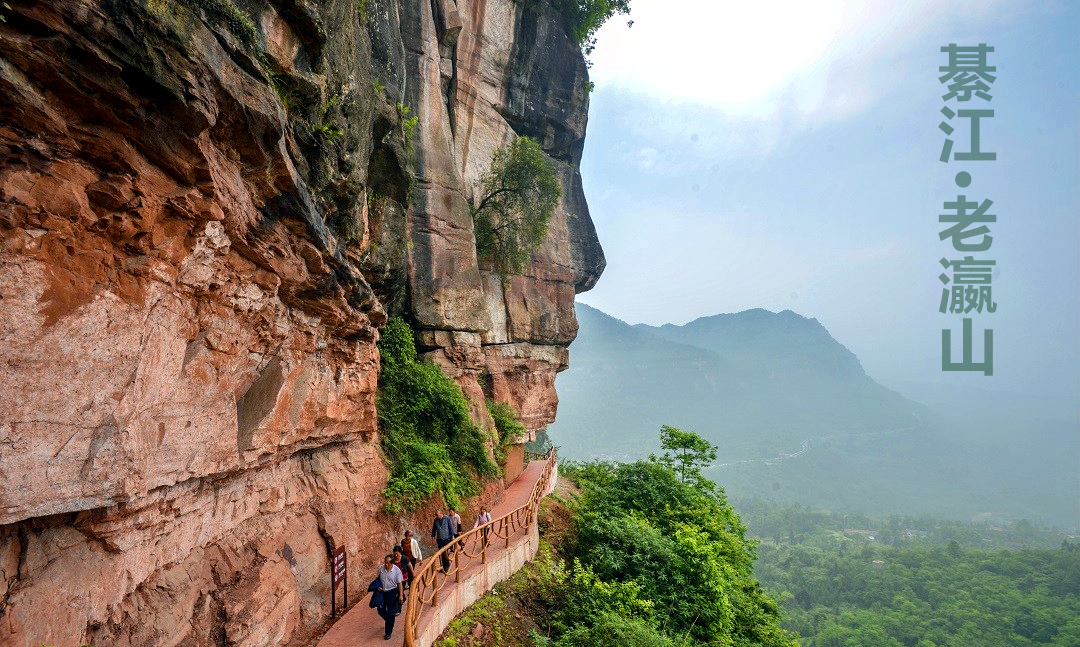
584, 17
517, 197
667, 554
686, 452
841, 589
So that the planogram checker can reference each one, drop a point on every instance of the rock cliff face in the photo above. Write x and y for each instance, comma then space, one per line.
207, 208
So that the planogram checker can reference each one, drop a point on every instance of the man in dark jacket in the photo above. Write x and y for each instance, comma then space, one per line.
442, 531
393, 595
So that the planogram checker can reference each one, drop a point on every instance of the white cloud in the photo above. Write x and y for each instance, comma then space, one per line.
799, 61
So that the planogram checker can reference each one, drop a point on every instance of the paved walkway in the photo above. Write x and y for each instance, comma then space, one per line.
361, 626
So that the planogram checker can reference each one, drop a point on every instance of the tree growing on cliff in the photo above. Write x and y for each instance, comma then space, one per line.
584, 17
517, 197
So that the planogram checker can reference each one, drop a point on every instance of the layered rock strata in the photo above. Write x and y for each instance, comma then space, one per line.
206, 210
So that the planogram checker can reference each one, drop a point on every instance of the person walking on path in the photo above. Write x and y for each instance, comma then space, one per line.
481, 519
411, 548
403, 565
393, 594
457, 523
442, 531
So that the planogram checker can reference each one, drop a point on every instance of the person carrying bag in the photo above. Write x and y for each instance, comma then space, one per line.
392, 594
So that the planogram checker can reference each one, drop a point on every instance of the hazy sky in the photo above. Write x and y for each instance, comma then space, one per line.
784, 155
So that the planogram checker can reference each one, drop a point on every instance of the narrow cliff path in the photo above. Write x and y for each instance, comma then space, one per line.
361, 626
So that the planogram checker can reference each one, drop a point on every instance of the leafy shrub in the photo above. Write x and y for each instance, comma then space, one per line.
396, 344
654, 558
589, 597
427, 433
422, 469
507, 425
615, 629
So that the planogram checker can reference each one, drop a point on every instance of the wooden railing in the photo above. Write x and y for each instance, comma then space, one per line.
473, 545
536, 456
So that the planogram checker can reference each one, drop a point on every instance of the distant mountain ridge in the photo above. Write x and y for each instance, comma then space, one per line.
792, 412
724, 376
793, 341
797, 419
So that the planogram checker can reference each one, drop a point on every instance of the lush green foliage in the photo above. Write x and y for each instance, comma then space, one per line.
639, 559
584, 17
516, 199
615, 629
685, 548
686, 453
677, 551
427, 433
507, 424
588, 597
396, 344
841, 590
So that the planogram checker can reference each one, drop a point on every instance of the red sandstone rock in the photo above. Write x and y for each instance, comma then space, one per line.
191, 280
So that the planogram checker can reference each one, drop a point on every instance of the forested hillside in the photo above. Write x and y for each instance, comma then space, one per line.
645, 554
850, 586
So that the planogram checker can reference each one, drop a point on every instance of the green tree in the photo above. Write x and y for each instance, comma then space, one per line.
614, 629
517, 197
686, 452
584, 17
934, 592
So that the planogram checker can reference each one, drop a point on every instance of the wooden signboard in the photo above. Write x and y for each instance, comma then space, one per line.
338, 575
